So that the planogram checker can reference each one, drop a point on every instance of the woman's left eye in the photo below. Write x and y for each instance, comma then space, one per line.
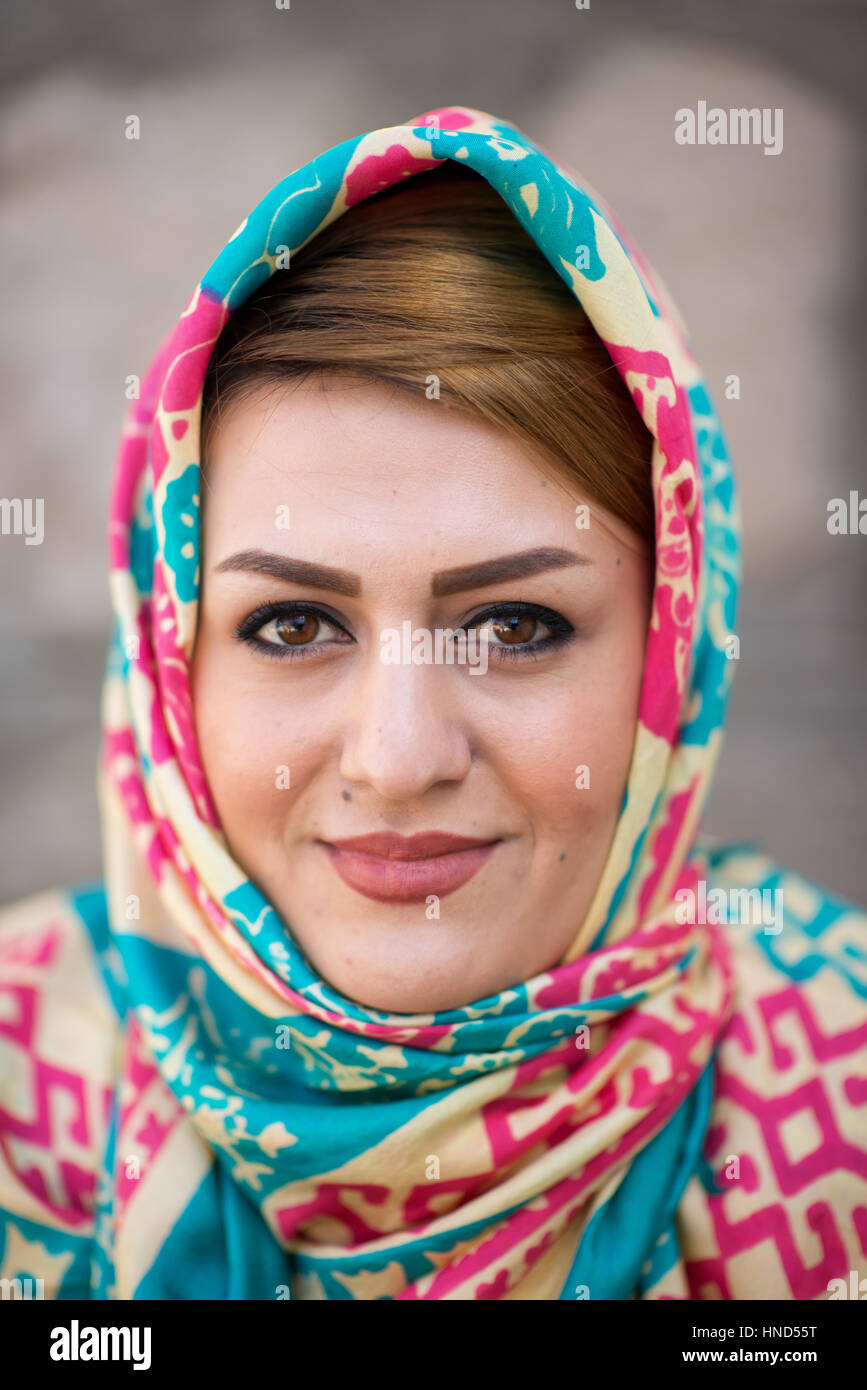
522, 629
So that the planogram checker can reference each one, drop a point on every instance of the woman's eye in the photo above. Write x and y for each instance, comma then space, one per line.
517, 629
294, 630
522, 630
290, 632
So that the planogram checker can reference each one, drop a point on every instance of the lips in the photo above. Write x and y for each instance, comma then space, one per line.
407, 869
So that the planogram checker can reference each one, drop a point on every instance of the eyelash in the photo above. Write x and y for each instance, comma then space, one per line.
561, 630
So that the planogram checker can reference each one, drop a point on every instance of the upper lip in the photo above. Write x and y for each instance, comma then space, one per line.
386, 844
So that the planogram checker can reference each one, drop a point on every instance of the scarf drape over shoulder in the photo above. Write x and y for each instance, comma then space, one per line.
187, 1110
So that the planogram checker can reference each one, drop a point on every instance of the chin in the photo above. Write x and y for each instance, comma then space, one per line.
410, 1000
409, 989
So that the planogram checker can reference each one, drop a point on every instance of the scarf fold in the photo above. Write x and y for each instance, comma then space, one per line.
264, 1136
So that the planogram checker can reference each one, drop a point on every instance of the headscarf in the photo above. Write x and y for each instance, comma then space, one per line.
265, 1136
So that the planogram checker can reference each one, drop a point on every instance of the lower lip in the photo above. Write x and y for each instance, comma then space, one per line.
407, 880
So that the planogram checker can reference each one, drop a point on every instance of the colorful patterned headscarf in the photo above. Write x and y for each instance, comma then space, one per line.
246, 1131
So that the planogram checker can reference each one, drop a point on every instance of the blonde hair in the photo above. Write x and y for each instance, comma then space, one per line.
435, 278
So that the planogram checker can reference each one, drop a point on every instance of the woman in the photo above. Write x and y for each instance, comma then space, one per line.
409, 978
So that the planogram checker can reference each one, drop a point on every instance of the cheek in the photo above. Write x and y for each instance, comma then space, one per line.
565, 759
256, 763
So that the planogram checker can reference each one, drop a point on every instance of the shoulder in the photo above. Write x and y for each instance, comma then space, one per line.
798, 956
786, 1141
58, 1046
50, 945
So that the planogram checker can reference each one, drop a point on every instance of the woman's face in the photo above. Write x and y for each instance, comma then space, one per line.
334, 514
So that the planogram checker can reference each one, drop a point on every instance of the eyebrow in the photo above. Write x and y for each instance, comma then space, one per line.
452, 581
518, 566
293, 571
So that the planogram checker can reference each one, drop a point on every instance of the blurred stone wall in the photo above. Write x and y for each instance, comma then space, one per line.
102, 239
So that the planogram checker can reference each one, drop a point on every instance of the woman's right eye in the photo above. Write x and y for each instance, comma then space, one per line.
291, 631
299, 629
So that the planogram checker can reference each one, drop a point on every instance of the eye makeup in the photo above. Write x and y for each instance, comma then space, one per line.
285, 619
285, 612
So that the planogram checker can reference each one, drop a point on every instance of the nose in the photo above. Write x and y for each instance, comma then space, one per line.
406, 731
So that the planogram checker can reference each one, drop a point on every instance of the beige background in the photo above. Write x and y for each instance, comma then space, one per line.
102, 240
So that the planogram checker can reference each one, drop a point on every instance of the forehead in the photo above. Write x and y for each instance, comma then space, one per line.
374, 463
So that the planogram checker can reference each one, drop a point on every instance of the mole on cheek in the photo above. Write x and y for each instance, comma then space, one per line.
562, 856
346, 796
